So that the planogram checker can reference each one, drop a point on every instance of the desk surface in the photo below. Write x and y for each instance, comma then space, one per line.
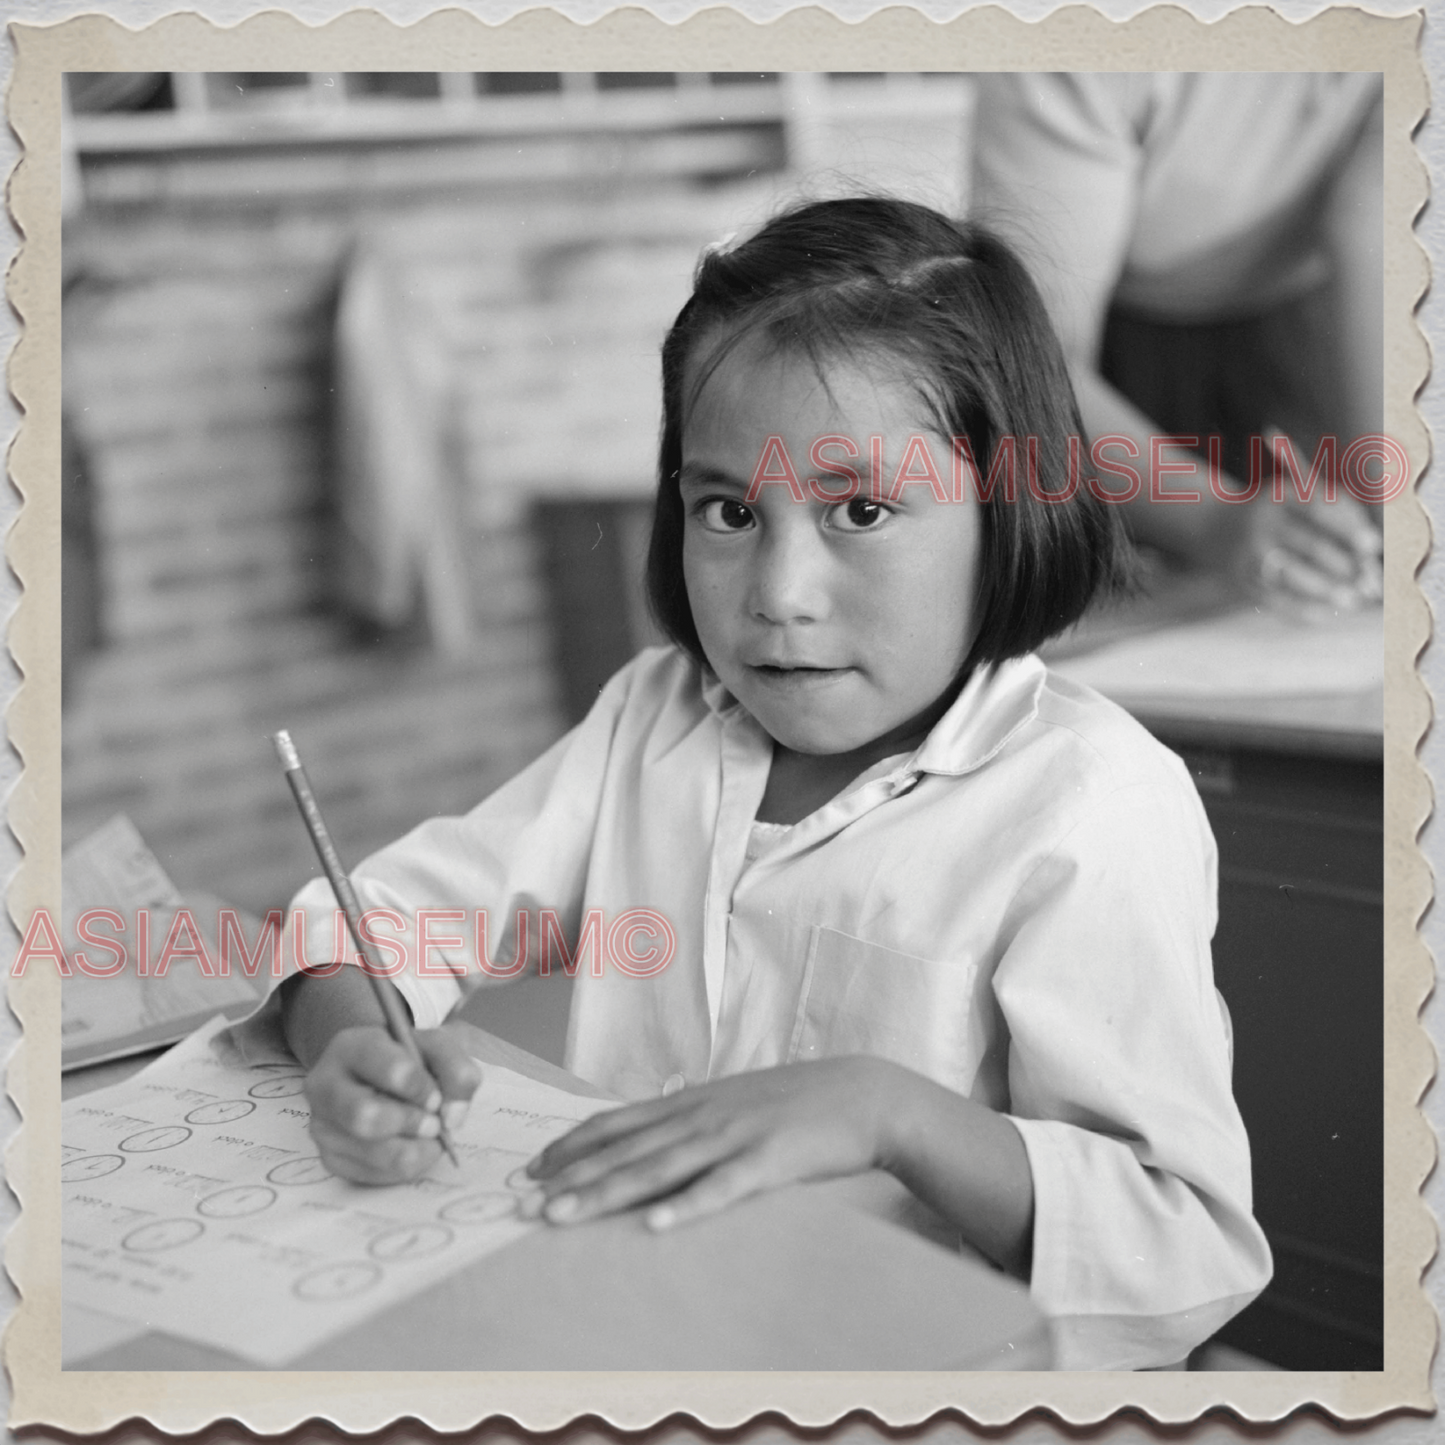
796, 1280
1199, 663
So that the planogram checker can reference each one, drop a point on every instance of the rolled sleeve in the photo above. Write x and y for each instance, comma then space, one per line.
1119, 1083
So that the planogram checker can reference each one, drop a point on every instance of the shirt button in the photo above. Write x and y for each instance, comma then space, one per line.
673, 1083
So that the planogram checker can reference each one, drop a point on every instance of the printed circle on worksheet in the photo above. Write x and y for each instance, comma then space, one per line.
89, 1166
299, 1171
221, 1112
166, 1137
163, 1234
337, 1281
287, 1086
409, 1241
478, 1209
234, 1202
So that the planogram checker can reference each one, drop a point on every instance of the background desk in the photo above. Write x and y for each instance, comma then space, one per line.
1290, 769
795, 1280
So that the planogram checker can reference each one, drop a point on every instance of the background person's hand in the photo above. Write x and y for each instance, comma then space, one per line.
704, 1148
1312, 555
376, 1115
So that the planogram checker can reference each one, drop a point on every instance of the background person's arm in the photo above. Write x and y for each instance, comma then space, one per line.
1056, 169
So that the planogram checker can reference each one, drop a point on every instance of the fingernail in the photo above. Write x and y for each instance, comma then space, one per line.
563, 1207
454, 1114
433, 1101
663, 1216
429, 1127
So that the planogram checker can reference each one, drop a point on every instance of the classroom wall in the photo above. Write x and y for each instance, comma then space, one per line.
198, 373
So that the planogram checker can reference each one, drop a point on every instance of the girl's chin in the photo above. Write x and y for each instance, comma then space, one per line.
814, 740
821, 716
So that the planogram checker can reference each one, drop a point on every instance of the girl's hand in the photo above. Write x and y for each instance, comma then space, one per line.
706, 1147
375, 1115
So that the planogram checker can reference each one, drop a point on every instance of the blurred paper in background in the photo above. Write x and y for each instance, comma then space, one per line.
127, 1012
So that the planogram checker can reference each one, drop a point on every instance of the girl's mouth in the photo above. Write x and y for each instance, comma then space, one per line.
796, 675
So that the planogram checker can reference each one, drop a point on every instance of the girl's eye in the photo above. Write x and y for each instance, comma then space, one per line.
722, 514
859, 515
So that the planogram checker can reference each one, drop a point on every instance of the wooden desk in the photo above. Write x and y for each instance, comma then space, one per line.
795, 1280
1293, 783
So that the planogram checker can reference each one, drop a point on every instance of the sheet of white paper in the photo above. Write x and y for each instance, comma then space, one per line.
1246, 653
194, 1202
85, 1332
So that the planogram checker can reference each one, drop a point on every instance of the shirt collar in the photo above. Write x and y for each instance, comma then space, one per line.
996, 702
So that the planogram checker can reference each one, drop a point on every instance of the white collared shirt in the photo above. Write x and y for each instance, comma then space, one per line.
1020, 910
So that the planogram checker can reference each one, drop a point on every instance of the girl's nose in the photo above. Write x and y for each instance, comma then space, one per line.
788, 583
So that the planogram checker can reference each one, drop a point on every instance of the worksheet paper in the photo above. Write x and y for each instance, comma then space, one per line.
194, 1202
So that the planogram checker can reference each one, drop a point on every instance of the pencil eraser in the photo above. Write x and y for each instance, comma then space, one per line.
286, 750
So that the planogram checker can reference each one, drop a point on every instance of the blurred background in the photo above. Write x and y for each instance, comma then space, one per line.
361, 404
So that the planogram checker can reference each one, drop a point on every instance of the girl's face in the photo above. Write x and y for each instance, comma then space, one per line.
836, 624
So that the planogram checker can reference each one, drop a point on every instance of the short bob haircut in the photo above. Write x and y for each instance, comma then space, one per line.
882, 281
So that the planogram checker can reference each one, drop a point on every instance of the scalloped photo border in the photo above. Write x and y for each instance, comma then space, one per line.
1077, 38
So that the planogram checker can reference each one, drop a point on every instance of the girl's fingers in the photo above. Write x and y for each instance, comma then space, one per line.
619, 1153
372, 1056
642, 1179
387, 1161
729, 1182
602, 1129
456, 1073
360, 1111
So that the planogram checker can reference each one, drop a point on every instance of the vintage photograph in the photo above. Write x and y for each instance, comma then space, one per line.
723, 720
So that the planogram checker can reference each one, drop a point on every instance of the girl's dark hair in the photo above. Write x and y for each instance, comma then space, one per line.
886, 280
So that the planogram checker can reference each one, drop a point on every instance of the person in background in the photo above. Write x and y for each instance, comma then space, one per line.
1209, 246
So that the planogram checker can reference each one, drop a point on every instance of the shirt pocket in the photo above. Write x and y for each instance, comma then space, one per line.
862, 998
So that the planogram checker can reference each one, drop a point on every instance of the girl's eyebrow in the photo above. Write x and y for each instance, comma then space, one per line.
700, 474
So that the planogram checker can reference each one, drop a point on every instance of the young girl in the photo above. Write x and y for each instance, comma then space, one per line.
934, 911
